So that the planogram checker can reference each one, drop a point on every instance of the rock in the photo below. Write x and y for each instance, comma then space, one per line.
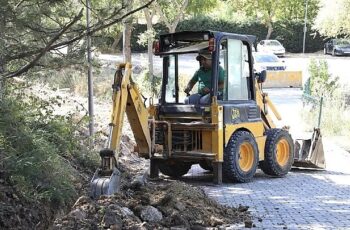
78, 214
151, 214
114, 207
180, 206
248, 224
112, 219
243, 208
215, 221
126, 212
138, 182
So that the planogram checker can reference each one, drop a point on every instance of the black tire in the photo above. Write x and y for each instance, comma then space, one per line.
206, 165
279, 153
236, 168
174, 169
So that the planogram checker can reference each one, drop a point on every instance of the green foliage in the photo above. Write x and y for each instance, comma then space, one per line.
200, 7
35, 33
150, 86
41, 150
290, 33
322, 84
333, 18
335, 117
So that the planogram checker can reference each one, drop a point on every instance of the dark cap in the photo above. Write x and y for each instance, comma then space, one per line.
203, 53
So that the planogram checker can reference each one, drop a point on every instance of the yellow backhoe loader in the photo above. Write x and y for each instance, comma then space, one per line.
231, 135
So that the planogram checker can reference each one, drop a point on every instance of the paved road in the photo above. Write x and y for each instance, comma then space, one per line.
303, 199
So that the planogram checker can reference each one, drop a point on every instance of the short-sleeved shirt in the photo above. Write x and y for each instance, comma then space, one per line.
203, 77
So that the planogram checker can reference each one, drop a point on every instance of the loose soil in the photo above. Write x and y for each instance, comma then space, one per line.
176, 205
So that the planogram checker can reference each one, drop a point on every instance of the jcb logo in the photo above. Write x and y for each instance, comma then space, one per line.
234, 113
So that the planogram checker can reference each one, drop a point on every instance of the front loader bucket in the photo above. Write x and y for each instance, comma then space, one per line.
308, 153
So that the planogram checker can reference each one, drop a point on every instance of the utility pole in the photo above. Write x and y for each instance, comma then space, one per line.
305, 27
90, 82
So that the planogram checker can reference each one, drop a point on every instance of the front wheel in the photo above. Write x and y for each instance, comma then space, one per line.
240, 157
279, 153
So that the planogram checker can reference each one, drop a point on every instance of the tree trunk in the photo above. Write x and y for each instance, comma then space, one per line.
180, 9
116, 41
2, 81
149, 15
127, 35
269, 30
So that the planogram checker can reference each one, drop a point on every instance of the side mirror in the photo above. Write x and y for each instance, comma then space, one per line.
261, 77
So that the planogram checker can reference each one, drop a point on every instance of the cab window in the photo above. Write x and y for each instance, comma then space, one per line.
235, 60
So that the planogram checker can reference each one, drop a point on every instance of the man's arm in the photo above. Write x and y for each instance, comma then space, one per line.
189, 86
191, 83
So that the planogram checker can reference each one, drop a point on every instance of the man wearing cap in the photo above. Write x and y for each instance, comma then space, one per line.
203, 77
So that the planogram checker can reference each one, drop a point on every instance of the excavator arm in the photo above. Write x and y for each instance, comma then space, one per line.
126, 99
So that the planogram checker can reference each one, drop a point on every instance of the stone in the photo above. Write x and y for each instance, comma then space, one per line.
111, 218
126, 212
78, 214
151, 214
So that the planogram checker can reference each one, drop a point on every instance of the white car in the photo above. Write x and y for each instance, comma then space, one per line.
268, 62
272, 46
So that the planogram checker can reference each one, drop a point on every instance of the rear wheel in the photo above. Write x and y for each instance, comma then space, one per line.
174, 169
240, 157
279, 153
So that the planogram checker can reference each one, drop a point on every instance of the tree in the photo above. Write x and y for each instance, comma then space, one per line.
149, 14
333, 19
171, 12
269, 11
34, 32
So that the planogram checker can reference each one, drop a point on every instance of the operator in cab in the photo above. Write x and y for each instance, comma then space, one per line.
203, 77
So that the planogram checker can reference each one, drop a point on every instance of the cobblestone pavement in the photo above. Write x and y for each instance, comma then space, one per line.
301, 200
304, 199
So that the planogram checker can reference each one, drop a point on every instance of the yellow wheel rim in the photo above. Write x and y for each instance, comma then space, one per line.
282, 152
246, 157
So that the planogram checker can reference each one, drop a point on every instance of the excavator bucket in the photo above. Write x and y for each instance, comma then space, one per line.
105, 185
308, 153
106, 180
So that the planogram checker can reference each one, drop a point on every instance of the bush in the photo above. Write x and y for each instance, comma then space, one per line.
290, 33
41, 151
335, 117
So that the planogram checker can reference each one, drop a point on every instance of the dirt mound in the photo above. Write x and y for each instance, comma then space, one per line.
145, 204
153, 206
